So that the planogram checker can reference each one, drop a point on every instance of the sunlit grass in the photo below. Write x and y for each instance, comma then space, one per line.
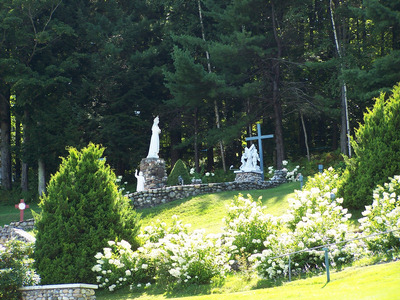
8, 213
207, 211
373, 282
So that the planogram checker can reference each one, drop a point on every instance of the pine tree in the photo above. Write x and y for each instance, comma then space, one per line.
377, 151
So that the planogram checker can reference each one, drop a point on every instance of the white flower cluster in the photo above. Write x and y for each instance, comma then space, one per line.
168, 253
383, 215
328, 180
117, 266
198, 176
122, 185
182, 257
291, 175
246, 225
313, 219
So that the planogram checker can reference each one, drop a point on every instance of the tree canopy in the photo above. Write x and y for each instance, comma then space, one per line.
72, 72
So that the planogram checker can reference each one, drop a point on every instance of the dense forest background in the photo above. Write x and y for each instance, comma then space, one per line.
74, 71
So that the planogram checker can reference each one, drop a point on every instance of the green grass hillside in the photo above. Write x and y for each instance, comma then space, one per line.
207, 211
8, 213
372, 282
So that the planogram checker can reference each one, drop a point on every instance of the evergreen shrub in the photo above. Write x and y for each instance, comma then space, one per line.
376, 151
179, 169
81, 211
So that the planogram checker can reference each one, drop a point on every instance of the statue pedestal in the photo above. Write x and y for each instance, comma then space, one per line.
154, 173
252, 176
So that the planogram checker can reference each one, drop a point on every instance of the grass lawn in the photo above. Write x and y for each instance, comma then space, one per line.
207, 211
380, 281
8, 213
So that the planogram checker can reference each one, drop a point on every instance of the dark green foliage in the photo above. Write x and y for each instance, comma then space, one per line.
377, 151
81, 211
179, 169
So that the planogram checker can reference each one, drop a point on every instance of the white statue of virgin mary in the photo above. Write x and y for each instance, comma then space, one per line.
155, 140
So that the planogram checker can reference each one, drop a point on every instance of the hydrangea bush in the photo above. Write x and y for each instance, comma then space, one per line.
169, 254
291, 175
328, 180
183, 257
16, 269
383, 215
248, 226
118, 265
313, 219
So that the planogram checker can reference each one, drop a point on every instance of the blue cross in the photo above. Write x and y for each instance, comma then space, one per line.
259, 138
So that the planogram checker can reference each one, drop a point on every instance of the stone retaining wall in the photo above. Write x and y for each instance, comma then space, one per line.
159, 196
76, 291
17, 230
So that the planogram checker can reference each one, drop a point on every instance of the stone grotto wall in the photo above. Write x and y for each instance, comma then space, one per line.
75, 291
17, 230
159, 196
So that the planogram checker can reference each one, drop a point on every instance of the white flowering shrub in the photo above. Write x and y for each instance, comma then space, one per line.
248, 226
268, 263
329, 180
169, 254
183, 257
312, 220
291, 174
119, 266
122, 185
202, 177
383, 215
16, 269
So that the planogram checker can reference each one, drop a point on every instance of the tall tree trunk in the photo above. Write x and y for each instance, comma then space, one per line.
6, 174
25, 167
216, 110
210, 159
17, 148
345, 145
305, 135
196, 146
280, 149
41, 177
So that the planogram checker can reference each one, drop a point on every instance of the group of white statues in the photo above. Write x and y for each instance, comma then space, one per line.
250, 159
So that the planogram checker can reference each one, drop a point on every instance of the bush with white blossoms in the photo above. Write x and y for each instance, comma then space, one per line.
383, 215
313, 219
205, 177
183, 257
291, 175
248, 226
169, 254
119, 266
329, 180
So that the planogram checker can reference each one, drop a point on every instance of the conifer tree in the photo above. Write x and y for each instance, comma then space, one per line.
81, 211
377, 151
181, 170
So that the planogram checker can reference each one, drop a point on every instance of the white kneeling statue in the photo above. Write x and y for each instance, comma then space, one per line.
155, 139
250, 159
